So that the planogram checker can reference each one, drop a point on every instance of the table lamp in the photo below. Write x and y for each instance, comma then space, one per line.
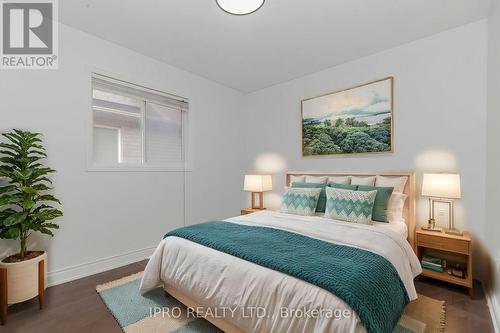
258, 184
441, 187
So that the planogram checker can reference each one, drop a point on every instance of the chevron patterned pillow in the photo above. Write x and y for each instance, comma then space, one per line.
300, 201
349, 206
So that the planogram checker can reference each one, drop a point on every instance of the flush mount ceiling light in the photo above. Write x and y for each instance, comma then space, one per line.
240, 7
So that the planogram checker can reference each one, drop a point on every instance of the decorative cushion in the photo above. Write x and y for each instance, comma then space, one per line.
317, 180
381, 202
370, 181
300, 201
344, 186
396, 206
349, 206
320, 207
297, 179
340, 180
397, 182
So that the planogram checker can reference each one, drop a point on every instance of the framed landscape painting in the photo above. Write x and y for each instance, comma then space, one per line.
357, 120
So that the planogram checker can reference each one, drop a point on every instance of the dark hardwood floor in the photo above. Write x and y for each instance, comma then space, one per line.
75, 307
463, 314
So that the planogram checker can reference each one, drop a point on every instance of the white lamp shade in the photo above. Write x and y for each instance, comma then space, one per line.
441, 185
258, 183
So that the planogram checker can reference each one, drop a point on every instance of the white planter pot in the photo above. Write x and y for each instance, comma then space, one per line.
22, 279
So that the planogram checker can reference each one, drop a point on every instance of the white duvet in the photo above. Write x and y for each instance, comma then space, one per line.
262, 300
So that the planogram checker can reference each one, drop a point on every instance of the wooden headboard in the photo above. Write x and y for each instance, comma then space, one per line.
410, 191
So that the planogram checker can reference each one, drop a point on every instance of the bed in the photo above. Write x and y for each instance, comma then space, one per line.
203, 277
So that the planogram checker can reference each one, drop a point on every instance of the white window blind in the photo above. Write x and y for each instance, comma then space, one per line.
163, 134
134, 126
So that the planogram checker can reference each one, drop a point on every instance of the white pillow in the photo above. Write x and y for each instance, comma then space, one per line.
297, 179
397, 182
317, 180
395, 207
345, 180
370, 181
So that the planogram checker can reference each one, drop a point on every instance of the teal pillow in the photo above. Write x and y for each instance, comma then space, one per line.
320, 207
344, 186
349, 206
300, 201
381, 201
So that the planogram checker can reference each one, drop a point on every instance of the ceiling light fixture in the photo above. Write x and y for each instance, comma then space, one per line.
240, 7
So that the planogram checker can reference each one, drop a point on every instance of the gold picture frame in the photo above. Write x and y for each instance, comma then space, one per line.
314, 147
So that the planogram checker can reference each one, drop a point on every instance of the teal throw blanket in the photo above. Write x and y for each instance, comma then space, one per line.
366, 281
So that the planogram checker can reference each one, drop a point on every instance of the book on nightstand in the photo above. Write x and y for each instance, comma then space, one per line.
434, 264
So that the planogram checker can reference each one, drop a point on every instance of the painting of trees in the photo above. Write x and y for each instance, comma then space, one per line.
356, 120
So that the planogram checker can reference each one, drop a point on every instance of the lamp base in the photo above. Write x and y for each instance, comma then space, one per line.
436, 229
454, 232
261, 200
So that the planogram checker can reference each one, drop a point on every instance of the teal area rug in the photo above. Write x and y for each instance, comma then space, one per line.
141, 314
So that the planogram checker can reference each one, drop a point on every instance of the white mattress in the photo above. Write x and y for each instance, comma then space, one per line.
216, 279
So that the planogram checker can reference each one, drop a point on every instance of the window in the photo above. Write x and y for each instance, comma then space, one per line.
135, 126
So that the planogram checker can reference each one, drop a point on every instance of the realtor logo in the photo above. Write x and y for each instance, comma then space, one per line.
29, 34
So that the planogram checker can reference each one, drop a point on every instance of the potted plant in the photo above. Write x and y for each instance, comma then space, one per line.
24, 208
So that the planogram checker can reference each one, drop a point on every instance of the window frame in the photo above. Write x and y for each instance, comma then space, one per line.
181, 166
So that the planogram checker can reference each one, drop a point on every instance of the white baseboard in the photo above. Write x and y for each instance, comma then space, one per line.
97, 266
494, 310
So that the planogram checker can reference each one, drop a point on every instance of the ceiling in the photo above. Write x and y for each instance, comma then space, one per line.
284, 40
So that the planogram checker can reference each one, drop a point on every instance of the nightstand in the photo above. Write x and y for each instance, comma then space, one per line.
245, 211
455, 249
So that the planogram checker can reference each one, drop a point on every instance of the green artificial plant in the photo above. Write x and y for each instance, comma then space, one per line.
24, 192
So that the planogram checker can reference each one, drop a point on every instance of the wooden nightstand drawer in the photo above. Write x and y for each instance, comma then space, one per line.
443, 243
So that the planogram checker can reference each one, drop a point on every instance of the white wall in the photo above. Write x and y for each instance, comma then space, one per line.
121, 214
493, 158
440, 117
